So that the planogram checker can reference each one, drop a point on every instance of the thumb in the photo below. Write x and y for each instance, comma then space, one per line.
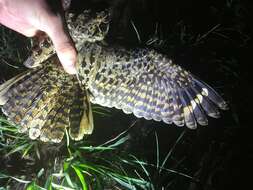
63, 43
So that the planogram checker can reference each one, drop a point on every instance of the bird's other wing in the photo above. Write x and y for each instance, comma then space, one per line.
43, 101
147, 84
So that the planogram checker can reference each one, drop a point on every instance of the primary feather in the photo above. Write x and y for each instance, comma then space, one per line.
45, 101
147, 84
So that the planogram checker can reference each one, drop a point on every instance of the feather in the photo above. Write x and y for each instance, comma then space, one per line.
56, 121
196, 106
189, 118
149, 85
46, 101
211, 94
80, 116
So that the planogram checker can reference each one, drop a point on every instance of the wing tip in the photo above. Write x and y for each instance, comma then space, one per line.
223, 105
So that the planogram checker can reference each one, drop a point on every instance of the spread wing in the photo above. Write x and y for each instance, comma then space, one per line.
147, 84
45, 101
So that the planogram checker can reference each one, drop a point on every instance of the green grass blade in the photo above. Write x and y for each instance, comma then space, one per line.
157, 151
81, 178
61, 187
34, 186
18, 148
171, 150
68, 179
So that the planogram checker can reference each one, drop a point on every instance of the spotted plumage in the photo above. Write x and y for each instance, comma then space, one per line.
147, 84
46, 102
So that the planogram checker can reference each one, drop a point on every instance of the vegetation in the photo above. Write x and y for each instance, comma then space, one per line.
73, 165
212, 39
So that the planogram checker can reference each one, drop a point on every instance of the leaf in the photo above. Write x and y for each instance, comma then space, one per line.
17, 149
68, 179
34, 186
81, 178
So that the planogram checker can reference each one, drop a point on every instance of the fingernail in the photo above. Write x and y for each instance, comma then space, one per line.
70, 69
68, 62
69, 66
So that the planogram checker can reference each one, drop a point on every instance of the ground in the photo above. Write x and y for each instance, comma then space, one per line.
213, 41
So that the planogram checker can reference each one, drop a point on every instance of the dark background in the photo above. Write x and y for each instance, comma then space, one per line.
213, 40
221, 154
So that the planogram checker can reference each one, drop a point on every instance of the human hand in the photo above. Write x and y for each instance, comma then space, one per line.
28, 17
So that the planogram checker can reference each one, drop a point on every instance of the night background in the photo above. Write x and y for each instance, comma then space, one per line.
213, 40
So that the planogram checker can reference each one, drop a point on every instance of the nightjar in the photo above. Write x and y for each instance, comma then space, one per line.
45, 101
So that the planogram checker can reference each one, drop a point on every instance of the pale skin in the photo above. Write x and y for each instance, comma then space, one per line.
30, 17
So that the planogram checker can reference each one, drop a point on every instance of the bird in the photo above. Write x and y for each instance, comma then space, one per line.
46, 102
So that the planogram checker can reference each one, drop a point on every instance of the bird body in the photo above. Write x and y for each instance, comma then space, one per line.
45, 101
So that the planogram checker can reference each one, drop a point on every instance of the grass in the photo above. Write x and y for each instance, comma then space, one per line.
74, 165
11, 53
148, 156
80, 165
74, 171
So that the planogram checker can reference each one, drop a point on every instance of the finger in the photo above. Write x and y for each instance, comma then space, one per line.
29, 32
21, 27
64, 45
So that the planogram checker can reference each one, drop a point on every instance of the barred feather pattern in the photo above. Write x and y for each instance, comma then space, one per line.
46, 102
147, 84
